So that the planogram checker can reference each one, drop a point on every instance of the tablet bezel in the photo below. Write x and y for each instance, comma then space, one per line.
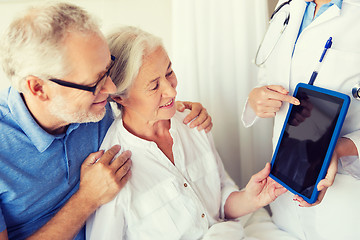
331, 146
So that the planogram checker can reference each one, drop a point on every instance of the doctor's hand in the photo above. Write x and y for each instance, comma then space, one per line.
199, 116
323, 185
267, 100
344, 147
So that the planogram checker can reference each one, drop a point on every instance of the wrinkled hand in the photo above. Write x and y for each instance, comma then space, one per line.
101, 180
262, 189
266, 101
202, 119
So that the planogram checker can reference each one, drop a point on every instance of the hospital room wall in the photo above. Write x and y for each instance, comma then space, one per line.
271, 6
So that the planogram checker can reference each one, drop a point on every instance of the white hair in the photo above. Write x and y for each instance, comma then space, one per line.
33, 44
129, 45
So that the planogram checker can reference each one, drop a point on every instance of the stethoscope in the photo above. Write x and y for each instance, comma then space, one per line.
278, 22
277, 25
356, 91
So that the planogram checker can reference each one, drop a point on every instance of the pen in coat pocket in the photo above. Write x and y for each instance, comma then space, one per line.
315, 72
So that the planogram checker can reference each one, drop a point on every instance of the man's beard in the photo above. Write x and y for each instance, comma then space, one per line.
60, 111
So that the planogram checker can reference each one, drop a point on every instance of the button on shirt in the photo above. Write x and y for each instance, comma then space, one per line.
39, 171
162, 200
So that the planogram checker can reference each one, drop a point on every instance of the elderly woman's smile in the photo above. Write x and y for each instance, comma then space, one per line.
169, 104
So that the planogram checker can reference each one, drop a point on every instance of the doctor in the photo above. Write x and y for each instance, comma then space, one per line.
292, 58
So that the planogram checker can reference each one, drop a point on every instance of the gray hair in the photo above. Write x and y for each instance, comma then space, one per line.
129, 45
33, 44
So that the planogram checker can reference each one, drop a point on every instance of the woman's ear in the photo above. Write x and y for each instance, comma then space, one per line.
35, 87
117, 99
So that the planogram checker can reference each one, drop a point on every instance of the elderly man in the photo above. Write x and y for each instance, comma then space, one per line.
53, 117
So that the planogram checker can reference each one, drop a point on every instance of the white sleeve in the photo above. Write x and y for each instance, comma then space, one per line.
227, 184
248, 116
107, 223
351, 164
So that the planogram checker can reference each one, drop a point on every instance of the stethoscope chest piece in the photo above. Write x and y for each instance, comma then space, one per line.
356, 91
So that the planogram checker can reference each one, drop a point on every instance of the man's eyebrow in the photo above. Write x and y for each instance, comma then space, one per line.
169, 65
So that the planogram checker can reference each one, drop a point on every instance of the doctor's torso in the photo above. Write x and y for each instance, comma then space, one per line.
290, 64
340, 70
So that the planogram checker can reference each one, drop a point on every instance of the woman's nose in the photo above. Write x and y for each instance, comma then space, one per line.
169, 88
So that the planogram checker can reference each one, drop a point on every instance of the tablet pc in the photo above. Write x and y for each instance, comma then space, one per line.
308, 138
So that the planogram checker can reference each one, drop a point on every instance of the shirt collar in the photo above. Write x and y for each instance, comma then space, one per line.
338, 3
38, 136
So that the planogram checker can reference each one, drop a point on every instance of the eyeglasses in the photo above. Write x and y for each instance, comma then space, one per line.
95, 89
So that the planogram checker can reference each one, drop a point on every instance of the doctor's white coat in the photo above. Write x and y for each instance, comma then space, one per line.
337, 216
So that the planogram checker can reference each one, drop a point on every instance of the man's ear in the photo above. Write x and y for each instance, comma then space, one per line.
35, 87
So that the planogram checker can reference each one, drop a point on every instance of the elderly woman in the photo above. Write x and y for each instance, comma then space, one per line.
179, 187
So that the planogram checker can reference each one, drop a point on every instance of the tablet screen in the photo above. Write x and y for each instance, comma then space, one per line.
305, 140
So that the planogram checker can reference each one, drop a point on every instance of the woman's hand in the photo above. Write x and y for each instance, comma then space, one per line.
266, 101
199, 115
262, 189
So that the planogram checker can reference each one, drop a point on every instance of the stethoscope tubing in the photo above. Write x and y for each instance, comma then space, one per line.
279, 7
285, 23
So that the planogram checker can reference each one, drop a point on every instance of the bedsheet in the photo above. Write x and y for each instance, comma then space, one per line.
259, 225
254, 226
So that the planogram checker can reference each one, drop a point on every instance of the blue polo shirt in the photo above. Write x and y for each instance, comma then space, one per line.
39, 172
